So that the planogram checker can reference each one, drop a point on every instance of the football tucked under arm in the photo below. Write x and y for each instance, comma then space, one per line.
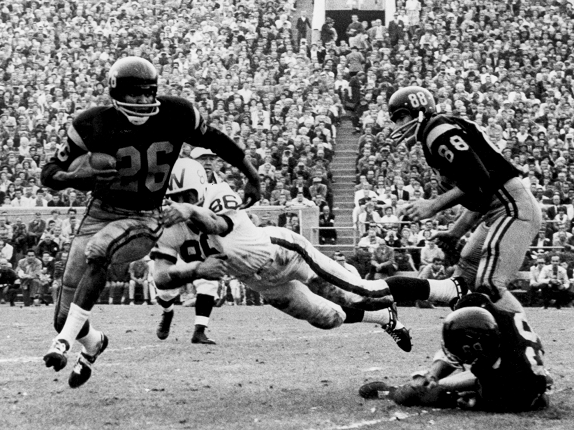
87, 169
97, 160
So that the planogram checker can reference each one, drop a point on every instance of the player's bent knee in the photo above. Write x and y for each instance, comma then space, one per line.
98, 262
328, 323
168, 295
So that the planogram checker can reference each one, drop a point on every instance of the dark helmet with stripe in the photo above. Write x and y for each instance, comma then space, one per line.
134, 76
418, 103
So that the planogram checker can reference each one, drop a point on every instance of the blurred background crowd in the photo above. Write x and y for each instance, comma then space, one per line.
262, 74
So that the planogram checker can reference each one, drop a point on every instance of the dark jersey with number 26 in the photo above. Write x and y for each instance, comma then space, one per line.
464, 155
145, 154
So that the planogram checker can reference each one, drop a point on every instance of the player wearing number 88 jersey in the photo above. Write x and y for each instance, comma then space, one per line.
501, 209
145, 133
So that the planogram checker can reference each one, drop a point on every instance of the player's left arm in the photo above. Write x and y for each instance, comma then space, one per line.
423, 209
168, 275
204, 219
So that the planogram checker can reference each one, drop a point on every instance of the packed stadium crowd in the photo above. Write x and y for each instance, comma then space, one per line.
260, 76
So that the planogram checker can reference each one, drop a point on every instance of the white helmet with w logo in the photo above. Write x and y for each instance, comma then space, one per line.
188, 174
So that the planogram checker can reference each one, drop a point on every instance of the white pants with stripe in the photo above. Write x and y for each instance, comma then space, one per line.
308, 285
496, 249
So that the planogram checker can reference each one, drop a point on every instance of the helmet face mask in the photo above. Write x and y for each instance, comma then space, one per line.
407, 130
187, 196
133, 88
471, 335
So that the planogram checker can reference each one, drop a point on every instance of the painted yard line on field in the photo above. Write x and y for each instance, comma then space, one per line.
336, 333
19, 360
268, 339
359, 424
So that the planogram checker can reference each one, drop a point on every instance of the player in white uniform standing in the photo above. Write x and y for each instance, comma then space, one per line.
186, 244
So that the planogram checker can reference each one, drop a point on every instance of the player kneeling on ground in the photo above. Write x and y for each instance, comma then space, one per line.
491, 360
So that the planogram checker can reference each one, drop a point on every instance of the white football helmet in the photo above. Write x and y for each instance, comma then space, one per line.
188, 174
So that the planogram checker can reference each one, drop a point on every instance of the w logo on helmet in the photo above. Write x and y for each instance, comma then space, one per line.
175, 181
188, 174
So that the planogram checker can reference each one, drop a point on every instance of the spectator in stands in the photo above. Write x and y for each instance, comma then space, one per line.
300, 200
392, 237
383, 262
430, 252
404, 260
328, 34
36, 229
6, 251
328, 235
554, 283
47, 244
19, 238
8, 286
70, 226
318, 188
361, 259
46, 277
371, 240
368, 216
28, 271
389, 219
303, 25
535, 282
339, 257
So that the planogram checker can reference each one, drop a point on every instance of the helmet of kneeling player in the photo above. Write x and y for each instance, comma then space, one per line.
133, 88
409, 108
471, 334
188, 181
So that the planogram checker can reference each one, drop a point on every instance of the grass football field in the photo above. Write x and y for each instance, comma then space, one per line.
268, 372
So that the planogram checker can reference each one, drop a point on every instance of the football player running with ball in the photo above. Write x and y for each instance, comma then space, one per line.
501, 209
144, 133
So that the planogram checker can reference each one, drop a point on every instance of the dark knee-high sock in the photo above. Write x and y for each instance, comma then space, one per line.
353, 315
404, 288
90, 287
203, 307
382, 317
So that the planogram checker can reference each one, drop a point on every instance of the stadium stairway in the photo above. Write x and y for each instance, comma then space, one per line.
343, 168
